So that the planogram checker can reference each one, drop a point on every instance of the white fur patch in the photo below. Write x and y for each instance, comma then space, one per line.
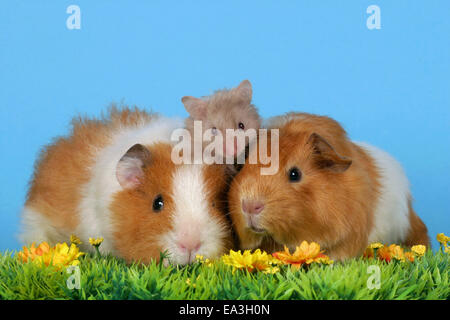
191, 218
391, 223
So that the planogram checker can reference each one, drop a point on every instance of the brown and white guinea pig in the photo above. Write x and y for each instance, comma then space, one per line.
225, 109
340, 194
114, 178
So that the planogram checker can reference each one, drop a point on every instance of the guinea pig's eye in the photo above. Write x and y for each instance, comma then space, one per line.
241, 126
214, 131
158, 203
294, 175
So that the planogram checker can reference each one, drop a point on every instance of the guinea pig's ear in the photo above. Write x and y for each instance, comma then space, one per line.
129, 170
195, 106
244, 91
325, 156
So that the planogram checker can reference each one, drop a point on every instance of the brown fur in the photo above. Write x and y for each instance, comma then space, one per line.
137, 226
330, 207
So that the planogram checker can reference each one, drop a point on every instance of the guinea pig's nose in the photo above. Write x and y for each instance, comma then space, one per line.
189, 245
252, 206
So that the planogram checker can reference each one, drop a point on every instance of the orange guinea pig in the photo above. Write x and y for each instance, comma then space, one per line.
114, 178
328, 189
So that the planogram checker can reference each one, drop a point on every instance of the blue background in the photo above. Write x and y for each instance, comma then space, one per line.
388, 87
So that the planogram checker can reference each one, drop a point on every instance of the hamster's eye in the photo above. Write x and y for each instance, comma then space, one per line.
214, 131
294, 175
158, 203
241, 126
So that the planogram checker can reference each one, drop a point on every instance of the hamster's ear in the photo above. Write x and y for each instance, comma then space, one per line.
244, 90
195, 106
325, 156
129, 170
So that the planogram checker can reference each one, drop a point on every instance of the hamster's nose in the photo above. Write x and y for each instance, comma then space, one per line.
230, 149
252, 206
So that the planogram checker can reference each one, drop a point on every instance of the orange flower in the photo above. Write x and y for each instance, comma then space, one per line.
306, 253
390, 253
397, 252
30, 254
409, 256
384, 254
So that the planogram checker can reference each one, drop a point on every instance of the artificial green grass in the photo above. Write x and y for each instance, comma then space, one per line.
111, 278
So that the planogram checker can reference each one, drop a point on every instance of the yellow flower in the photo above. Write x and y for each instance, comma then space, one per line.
306, 253
188, 282
272, 270
75, 240
256, 261
66, 255
208, 263
59, 256
203, 261
419, 250
96, 242
376, 245
443, 239
447, 249
199, 258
